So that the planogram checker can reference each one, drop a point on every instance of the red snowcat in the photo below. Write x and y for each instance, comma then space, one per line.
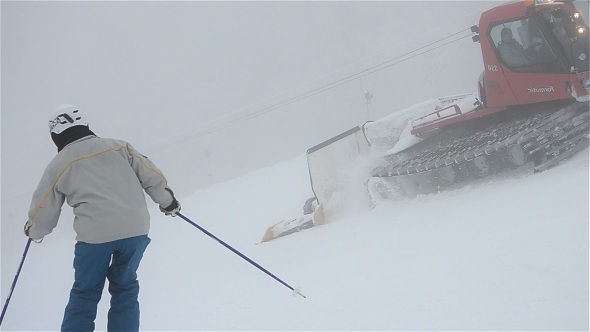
532, 108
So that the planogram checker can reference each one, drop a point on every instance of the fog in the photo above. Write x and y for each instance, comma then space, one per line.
203, 85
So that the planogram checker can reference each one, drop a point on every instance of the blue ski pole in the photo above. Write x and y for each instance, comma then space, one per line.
295, 290
14, 281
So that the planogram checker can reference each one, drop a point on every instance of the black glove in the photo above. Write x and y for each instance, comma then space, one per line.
171, 209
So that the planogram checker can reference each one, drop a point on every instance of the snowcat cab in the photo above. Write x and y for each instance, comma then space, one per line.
546, 60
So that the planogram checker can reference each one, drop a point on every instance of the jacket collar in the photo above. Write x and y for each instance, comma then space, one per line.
70, 135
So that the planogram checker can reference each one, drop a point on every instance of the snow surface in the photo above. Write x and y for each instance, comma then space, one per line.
510, 253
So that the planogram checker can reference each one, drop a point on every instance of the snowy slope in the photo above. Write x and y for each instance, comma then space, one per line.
507, 254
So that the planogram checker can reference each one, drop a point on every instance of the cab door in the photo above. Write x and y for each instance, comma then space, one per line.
527, 67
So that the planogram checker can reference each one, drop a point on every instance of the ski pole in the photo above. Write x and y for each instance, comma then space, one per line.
14, 281
296, 291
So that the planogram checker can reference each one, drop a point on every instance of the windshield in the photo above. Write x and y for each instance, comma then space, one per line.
522, 47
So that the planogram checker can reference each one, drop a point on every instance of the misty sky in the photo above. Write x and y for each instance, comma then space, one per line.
170, 77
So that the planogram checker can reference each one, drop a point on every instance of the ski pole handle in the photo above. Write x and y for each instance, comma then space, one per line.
296, 291
14, 281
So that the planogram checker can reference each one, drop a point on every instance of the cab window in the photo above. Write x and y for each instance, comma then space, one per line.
521, 46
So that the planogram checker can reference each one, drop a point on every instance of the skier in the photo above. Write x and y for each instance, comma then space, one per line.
103, 181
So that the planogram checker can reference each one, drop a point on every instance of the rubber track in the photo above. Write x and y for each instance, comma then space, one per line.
554, 133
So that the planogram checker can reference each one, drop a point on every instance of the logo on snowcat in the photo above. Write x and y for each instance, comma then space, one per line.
548, 89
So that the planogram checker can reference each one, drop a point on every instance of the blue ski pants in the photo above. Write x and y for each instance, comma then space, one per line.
116, 261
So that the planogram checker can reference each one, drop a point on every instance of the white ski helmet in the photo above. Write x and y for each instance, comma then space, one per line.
66, 116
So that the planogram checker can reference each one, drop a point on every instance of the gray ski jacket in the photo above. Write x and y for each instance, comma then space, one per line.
103, 181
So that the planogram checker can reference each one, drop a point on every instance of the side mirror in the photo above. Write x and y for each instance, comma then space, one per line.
475, 29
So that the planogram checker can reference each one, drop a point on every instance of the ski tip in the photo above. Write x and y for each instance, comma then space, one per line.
297, 291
